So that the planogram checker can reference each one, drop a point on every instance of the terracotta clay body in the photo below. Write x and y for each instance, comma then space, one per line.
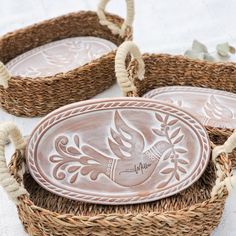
214, 108
117, 151
59, 56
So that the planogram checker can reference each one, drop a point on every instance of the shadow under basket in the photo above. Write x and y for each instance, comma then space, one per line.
191, 212
26, 96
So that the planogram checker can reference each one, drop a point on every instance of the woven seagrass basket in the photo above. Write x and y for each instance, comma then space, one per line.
149, 71
26, 96
195, 211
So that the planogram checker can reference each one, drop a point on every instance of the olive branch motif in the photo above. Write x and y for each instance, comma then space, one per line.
74, 159
174, 154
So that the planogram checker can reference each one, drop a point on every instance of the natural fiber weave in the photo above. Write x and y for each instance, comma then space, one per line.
165, 70
150, 71
191, 212
27, 96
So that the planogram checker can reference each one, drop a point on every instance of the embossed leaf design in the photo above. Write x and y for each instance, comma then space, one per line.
182, 169
159, 117
167, 170
55, 158
158, 132
177, 175
74, 178
172, 122
76, 141
73, 151
167, 155
166, 119
181, 161
31, 71
72, 169
179, 139
56, 60
175, 133
180, 150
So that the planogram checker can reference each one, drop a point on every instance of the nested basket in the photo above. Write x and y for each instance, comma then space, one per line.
26, 96
195, 211
149, 71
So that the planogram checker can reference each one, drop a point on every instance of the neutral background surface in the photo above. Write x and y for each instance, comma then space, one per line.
160, 26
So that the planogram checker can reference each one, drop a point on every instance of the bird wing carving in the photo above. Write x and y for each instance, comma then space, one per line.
125, 142
214, 109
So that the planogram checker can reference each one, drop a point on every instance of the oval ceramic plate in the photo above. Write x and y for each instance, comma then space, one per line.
214, 108
118, 151
59, 56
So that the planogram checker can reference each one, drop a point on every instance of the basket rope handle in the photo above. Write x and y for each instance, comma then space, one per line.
4, 75
228, 181
113, 27
126, 85
7, 181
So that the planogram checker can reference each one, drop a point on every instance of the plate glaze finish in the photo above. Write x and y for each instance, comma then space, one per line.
59, 56
117, 151
214, 108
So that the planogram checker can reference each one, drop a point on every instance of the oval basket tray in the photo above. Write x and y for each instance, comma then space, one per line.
150, 71
195, 211
26, 96
122, 160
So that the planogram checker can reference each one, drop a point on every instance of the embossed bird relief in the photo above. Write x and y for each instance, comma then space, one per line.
214, 109
132, 161
118, 151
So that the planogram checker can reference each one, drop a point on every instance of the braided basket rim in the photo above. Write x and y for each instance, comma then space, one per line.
57, 20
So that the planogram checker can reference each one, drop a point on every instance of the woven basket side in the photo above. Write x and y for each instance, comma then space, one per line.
46, 214
84, 23
31, 97
166, 70
200, 220
37, 96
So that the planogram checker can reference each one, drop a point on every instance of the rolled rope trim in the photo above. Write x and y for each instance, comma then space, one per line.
230, 181
4, 76
227, 147
7, 181
113, 27
121, 73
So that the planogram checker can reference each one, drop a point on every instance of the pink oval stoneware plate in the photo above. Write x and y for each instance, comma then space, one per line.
214, 108
118, 151
59, 56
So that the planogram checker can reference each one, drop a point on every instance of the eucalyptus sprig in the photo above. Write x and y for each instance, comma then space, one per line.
199, 51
